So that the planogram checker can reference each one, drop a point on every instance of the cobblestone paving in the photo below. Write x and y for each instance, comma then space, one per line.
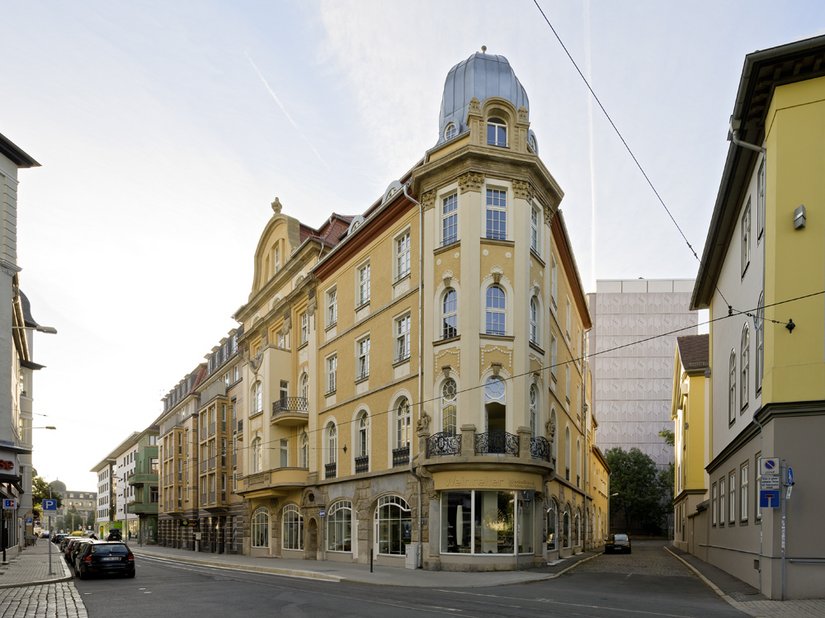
643, 561
60, 600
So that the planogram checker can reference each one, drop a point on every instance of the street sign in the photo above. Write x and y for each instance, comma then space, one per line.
769, 498
770, 483
49, 504
790, 475
322, 513
769, 466
9, 504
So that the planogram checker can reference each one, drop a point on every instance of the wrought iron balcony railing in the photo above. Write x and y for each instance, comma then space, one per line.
362, 464
290, 404
443, 443
330, 470
540, 448
401, 456
496, 442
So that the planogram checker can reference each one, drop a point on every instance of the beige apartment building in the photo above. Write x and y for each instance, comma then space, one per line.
412, 382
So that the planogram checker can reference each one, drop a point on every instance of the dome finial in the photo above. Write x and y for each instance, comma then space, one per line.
483, 49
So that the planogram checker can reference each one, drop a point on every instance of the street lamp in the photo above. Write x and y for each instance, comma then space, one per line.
48, 330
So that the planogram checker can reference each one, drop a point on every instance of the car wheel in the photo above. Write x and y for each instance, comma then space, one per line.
130, 575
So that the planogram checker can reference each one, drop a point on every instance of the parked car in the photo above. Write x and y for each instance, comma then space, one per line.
75, 548
105, 558
57, 537
67, 548
617, 543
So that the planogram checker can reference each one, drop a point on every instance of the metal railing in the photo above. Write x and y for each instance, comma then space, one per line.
401, 456
330, 470
362, 464
290, 404
540, 448
443, 443
496, 442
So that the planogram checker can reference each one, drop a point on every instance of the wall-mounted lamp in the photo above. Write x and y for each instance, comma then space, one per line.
49, 330
800, 217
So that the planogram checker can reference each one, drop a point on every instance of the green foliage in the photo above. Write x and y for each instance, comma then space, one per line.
638, 489
41, 490
669, 436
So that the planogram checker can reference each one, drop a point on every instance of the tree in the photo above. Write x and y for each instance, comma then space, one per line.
636, 491
41, 490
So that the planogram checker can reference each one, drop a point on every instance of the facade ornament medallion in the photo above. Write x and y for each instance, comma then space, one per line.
470, 181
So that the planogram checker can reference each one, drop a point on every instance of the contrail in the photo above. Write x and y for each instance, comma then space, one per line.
283, 109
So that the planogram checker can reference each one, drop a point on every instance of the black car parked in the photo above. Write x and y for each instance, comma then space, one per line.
105, 558
617, 543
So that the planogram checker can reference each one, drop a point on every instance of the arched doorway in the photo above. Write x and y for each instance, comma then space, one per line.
311, 552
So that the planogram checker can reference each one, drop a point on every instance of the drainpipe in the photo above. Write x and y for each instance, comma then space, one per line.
733, 136
420, 552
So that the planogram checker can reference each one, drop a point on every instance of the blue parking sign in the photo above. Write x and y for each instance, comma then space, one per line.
49, 504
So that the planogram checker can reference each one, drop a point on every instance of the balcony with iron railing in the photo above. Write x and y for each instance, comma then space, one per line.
290, 411
362, 464
401, 456
446, 450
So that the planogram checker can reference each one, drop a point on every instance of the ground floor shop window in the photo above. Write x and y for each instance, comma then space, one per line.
293, 528
552, 526
485, 522
260, 528
393, 525
339, 526
565, 529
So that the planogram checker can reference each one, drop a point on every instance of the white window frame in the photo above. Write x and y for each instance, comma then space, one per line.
535, 227
362, 358
759, 335
494, 314
448, 331
714, 504
449, 219
362, 443
744, 493
332, 306
450, 131
732, 387
331, 446
402, 255
554, 282
304, 450
304, 336
257, 397
495, 214
498, 126
534, 320
292, 520
732, 497
744, 368
449, 407
402, 421
722, 495
402, 337
363, 284
256, 453
760, 201
746, 237
260, 528
332, 373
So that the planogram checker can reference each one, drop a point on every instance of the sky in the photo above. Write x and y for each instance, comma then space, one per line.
166, 129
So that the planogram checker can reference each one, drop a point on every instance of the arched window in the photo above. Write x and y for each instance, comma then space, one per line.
745, 366
393, 525
260, 528
304, 386
363, 442
496, 132
552, 525
577, 527
402, 423
759, 332
495, 409
332, 443
578, 462
450, 131
292, 536
732, 387
496, 307
554, 437
448, 407
534, 320
565, 528
304, 448
567, 449
449, 314
534, 409
339, 526
257, 455
257, 397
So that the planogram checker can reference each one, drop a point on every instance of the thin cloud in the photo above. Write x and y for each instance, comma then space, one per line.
283, 109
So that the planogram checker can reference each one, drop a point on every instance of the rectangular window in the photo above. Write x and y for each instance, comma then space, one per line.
744, 499
535, 217
284, 391
722, 494
332, 373
402, 256
332, 307
363, 361
732, 497
554, 282
760, 201
746, 237
714, 496
304, 328
284, 453
554, 348
567, 383
757, 509
568, 317
449, 219
402, 338
364, 284
496, 214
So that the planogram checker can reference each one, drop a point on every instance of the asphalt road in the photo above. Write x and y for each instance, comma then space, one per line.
647, 583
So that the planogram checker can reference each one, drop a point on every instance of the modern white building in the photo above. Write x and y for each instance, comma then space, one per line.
633, 382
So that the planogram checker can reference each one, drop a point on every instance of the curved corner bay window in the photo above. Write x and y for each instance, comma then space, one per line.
260, 528
393, 525
486, 522
339, 526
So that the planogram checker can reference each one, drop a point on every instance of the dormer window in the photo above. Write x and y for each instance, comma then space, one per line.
496, 132
450, 131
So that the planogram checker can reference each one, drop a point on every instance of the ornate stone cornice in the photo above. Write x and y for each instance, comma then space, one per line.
428, 200
522, 190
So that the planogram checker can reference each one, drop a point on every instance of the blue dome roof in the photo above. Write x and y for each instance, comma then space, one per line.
481, 76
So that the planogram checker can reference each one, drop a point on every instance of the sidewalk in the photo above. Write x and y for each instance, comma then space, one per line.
31, 567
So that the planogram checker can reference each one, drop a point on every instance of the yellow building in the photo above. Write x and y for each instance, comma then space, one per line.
689, 410
765, 253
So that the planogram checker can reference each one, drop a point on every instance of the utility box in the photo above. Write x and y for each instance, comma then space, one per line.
411, 558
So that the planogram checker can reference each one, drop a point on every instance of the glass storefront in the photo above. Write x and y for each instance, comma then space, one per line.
486, 522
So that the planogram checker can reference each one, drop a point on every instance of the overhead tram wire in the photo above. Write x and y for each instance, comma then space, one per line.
627, 146
749, 312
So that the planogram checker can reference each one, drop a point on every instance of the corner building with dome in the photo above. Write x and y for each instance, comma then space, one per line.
412, 382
